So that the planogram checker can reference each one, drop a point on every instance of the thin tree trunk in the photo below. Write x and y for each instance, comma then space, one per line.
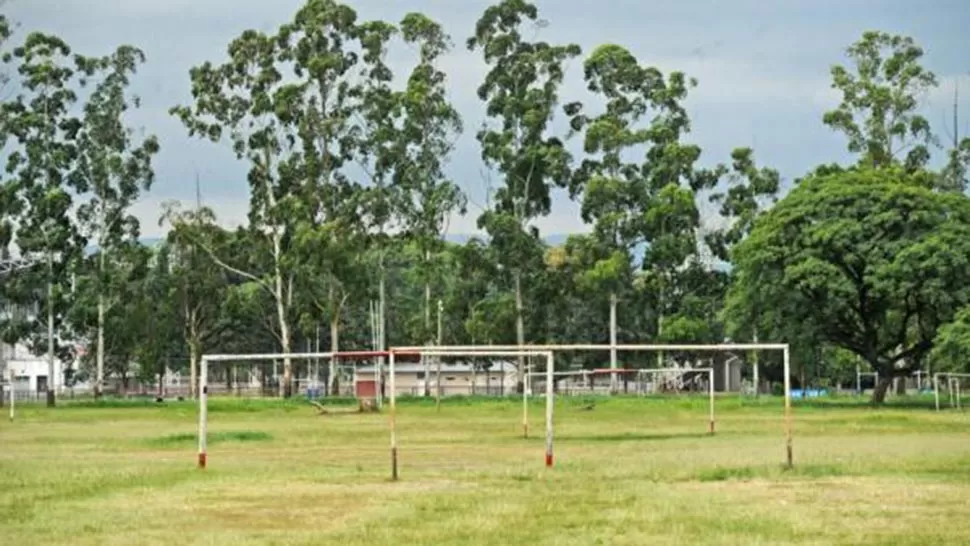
286, 386
194, 346
660, 324
427, 328
194, 356
381, 339
519, 327
52, 380
334, 386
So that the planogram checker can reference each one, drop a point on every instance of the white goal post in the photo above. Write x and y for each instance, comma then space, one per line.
204, 381
953, 387
674, 347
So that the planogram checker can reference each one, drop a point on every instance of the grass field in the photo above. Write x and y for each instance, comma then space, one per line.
629, 471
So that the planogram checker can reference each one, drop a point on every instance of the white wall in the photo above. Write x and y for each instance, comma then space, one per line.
31, 370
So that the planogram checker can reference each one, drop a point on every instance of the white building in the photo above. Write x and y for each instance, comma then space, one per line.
457, 378
31, 372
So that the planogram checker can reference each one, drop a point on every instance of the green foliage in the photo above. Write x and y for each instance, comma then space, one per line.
880, 98
951, 350
872, 261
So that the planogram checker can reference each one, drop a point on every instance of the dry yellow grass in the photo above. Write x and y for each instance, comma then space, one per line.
632, 471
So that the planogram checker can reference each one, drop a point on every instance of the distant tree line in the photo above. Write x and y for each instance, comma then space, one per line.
350, 202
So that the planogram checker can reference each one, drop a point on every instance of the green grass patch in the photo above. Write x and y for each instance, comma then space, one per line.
628, 470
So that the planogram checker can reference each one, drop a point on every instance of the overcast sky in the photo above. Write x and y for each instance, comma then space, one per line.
763, 71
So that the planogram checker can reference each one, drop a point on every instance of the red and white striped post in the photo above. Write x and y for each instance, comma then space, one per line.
710, 388
392, 416
203, 409
550, 403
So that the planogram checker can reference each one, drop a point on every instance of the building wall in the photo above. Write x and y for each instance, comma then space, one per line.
30, 371
452, 382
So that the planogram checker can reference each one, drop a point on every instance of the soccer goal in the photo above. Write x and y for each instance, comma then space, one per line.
248, 374
647, 381
954, 387
783, 348
478, 352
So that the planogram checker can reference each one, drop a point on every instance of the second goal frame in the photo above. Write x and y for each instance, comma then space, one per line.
708, 372
673, 347
953, 387
479, 352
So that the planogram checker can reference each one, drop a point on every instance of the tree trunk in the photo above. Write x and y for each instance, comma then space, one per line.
381, 338
427, 330
334, 385
882, 387
519, 328
286, 386
660, 325
194, 356
52, 380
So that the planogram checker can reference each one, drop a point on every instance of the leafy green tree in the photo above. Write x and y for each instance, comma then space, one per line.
951, 347
957, 169
872, 261
429, 130
117, 326
617, 194
113, 169
240, 100
749, 191
199, 286
880, 99
521, 93
36, 196
156, 318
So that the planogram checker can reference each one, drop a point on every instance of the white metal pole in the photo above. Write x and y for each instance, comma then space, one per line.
614, 387
959, 403
858, 381
788, 417
936, 390
203, 409
549, 407
392, 417
949, 389
710, 388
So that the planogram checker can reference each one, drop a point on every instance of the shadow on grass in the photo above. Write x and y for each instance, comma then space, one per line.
744, 473
211, 438
863, 403
630, 437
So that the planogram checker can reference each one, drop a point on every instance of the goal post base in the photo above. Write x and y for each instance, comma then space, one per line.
202, 461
